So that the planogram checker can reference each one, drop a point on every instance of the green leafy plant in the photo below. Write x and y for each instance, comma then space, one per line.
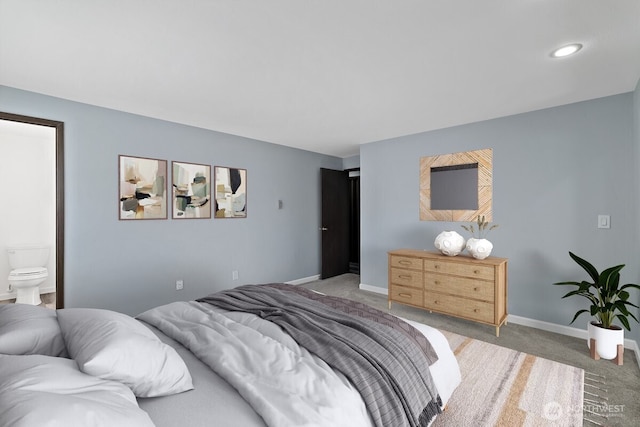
483, 227
608, 299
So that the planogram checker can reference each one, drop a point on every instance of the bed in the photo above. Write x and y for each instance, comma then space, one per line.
231, 358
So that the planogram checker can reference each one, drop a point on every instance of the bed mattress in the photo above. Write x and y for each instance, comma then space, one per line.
213, 398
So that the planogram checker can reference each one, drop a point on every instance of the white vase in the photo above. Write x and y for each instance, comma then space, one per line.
607, 340
449, 243
479, 248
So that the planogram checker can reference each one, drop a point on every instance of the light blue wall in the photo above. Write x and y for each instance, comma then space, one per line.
554, 171
351, 162
130, 266
636, 179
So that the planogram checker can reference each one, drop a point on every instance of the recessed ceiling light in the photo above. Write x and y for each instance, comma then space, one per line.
567, 50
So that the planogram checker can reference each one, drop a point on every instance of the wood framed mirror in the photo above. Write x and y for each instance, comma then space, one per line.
58, 163
467, 174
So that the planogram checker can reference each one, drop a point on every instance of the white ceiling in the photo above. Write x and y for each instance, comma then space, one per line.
320, 75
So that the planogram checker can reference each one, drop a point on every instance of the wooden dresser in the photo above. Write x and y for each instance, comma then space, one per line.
459, 286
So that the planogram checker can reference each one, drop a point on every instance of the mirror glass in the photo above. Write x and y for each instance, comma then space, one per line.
456, 187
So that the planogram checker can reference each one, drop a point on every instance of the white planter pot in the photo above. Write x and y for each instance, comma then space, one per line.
449, 243
607, 340
479, 248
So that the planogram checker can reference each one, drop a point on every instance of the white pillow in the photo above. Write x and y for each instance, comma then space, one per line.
50, 391
30, 329
117, 347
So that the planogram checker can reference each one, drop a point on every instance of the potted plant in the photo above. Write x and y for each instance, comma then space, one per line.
609, 301
479, 247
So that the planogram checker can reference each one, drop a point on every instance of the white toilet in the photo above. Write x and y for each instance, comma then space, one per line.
28, 271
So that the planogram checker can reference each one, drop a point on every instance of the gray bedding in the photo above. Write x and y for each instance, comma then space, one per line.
390, 373
212, 402
245, 370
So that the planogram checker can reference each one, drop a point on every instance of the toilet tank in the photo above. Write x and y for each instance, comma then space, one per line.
28, 256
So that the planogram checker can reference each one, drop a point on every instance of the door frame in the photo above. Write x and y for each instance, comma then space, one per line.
354, 220
59, 127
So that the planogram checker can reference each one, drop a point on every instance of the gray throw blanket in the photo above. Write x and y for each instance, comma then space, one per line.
390, 371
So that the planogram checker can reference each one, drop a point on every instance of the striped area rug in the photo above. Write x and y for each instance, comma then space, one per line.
504, 387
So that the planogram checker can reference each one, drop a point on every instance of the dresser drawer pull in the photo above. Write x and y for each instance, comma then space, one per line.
475, 310
404, 262
476, 271
436, 266
475, 289
404, 276
403, 295
437, 282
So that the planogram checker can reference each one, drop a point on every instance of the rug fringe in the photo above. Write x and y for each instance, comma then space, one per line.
596, 387
594, 400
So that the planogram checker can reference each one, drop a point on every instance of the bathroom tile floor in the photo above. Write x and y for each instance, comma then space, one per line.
48, 300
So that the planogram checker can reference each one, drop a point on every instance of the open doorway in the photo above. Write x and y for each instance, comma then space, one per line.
32, 152
354, 220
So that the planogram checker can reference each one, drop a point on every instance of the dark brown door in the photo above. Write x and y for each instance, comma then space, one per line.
335, 222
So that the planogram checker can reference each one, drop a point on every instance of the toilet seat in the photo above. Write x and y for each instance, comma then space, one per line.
28, 273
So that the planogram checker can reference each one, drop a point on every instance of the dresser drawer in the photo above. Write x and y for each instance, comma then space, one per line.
459, 286
461, 307
406, 295
406, 262
404, 277
484, 272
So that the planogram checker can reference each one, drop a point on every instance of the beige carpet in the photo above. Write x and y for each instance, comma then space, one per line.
611, 391
504, 387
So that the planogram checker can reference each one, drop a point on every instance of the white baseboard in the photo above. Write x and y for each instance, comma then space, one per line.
376, 289
547, 326
562, 329
568, 330
533, 323
636, 349
304, 280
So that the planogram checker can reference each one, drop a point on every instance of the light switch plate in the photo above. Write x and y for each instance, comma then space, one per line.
604, 221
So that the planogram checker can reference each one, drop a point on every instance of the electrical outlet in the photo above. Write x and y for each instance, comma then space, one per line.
234, 274
179, 285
